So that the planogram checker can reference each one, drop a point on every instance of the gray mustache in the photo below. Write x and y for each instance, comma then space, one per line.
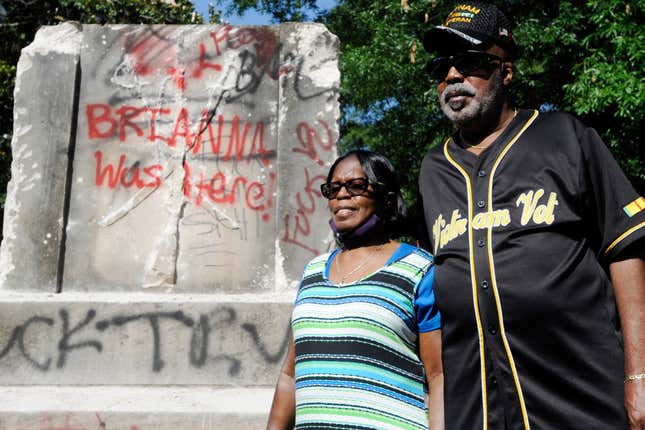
458, 88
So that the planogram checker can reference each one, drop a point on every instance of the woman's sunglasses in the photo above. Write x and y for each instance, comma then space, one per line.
354, 187
467, 63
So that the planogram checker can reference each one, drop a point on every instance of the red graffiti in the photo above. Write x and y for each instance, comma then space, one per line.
263, 40
48, 422
221, 189
306, 200
126, 177
153, 54
309, 140
203, 64
218, 188
245, 139
150, 54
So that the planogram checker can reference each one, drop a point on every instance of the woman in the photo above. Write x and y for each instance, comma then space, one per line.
364, 325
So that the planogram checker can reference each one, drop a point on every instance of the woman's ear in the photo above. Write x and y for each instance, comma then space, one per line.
390, 201
507, 72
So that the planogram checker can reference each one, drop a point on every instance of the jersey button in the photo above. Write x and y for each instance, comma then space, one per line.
481, 243
481, 173
492, 330
481, 204
485, 285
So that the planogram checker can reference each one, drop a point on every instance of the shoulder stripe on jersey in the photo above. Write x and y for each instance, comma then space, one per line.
623, 236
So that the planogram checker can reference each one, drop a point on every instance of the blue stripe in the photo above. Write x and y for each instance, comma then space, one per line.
415, 401
322, 368
339, 301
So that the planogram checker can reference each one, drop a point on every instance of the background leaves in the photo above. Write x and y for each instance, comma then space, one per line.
585, 57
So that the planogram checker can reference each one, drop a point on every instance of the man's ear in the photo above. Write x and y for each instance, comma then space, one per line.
507, 72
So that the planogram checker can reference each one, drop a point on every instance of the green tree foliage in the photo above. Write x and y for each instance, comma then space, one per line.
280, 10
388, 104
581, 57
585, 57
20, 19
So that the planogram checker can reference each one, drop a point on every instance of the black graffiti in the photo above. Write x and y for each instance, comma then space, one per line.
78, 335
153, 318
271, 358
200, 339
250, 76
18, 336
64, 347
300, 93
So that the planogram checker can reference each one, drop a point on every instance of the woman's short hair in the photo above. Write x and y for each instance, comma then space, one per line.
391, 207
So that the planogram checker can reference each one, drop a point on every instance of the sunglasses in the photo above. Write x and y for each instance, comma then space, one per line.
355, 187
467, 63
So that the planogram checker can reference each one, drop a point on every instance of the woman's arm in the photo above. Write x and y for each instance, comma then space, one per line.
430, 354
283, 408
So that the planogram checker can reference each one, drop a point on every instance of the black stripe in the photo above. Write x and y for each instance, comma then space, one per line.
343, 348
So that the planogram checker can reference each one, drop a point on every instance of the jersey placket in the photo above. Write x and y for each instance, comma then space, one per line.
499, 371
496, 381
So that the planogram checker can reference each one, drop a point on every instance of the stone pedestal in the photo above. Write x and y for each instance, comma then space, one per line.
164, 199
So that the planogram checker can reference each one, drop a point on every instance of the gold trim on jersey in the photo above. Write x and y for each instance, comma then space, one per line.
473, 278
498, 304
623, 236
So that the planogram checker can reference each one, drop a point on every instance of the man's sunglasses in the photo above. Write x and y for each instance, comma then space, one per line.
467, 63
354, 187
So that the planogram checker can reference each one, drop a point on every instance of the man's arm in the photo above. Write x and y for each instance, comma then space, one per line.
628, 279
283, 408
430, 354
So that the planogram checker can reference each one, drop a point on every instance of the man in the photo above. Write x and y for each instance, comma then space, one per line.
537, 236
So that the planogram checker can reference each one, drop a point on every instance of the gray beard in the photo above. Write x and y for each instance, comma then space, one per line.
464, 113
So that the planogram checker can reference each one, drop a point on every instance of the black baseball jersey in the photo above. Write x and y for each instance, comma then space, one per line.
522, 236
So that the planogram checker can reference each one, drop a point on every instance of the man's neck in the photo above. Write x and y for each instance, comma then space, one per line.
480, 135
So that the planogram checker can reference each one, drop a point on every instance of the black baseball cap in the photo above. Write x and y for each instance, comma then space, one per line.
472, 25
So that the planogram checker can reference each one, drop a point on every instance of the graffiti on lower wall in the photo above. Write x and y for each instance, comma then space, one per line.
150, 341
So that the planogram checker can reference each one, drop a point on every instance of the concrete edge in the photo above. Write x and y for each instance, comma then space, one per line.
127, 297
166, 399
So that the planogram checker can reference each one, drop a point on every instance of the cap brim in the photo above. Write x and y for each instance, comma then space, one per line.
441, 38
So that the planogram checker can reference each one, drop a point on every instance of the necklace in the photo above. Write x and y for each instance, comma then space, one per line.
486, 144
359, 266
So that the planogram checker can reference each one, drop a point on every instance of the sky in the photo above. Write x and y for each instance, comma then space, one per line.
249, 18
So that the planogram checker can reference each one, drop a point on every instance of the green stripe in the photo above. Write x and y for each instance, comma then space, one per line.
371, 289
308, 410
345, 325
414, 271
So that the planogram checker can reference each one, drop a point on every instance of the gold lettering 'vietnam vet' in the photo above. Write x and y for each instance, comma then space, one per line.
533, 209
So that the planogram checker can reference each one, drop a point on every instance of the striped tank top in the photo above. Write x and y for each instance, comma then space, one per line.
356, 349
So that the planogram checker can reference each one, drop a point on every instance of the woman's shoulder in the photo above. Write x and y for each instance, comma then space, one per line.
319, 260
415, 255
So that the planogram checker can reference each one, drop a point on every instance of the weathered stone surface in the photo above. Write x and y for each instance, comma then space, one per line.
308, 133
167, 179
43, 127
175, 178
117, 339
154, 420
197, 156
133, 408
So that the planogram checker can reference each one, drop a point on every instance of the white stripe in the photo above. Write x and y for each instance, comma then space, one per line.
353, 396
361, 421
368, 311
